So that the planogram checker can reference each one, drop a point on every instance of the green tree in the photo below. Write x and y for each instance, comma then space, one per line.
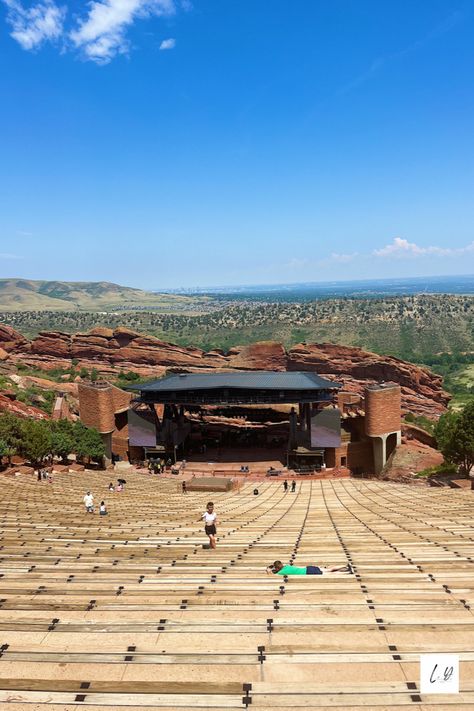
11, 430
9, 452
36, 440
62, 443
88, 442
3, 449
455, 437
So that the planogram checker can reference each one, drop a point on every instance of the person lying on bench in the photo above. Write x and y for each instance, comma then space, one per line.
277, 568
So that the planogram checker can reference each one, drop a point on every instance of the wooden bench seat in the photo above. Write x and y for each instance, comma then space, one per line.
132, 605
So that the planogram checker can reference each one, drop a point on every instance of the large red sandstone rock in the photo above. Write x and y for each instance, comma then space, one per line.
266, 355
11, 340
410, 458
44, 384
102, 331
123, 349
422, 391
15, 407
53, 343
412, 432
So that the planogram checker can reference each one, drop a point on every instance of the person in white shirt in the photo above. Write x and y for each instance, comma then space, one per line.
210, 521
89, 502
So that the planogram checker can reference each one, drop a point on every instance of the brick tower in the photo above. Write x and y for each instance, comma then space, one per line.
105, 407
383, 420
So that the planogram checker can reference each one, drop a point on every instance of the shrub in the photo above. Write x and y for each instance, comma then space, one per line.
455, 437
444, 468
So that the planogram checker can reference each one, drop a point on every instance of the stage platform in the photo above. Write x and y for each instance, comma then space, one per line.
128, 610
209, 483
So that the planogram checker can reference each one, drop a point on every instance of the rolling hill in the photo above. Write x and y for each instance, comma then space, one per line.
30, 295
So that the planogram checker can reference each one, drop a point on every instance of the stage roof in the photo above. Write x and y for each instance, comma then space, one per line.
242, 387
253, 380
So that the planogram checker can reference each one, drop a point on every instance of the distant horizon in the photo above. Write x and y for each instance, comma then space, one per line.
335, 282
262, 285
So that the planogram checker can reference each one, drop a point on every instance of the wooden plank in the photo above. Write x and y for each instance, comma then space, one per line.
123, 687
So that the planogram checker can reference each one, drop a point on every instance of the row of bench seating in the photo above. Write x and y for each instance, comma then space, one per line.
130, 610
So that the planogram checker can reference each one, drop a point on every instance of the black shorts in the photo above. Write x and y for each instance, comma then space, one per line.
210, 530
313, 570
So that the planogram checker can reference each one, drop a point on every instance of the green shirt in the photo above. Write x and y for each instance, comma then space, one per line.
292, 570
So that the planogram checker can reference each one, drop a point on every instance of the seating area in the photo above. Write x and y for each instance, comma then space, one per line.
129, 610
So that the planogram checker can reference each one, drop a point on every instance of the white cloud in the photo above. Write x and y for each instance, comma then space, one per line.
6, 255
101, 35
343, 258
37, 24
168, 44
402, 248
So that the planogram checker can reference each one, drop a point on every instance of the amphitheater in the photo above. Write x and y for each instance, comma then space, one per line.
130, 611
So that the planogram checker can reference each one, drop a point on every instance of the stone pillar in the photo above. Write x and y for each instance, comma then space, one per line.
379, 448
301, 421
293, 425
107, 440
380, 452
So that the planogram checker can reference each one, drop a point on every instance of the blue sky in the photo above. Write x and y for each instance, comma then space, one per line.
167, 143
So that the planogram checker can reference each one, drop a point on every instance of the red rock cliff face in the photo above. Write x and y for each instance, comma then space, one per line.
14, 407
120, 346
422, 391
266, 355
123, 349
11, 340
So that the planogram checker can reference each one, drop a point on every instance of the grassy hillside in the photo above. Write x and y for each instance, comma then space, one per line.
29, 295
414, 327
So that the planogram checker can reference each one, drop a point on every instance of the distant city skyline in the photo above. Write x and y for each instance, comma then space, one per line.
432, 281
169, 143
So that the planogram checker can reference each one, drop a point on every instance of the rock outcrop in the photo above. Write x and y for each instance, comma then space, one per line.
14, 407
111, 351
409, 458
265, 355
11, 340
25, 381
422, 390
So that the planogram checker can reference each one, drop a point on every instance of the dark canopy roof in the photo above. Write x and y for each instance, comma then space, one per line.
254, 380
238, 387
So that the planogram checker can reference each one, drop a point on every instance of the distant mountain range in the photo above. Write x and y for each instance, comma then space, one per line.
29, 295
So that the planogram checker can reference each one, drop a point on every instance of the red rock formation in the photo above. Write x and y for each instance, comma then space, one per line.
24, 381
410, 458
11, 340
15, 407
125, 350
265, 355
422, 391
412, 432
